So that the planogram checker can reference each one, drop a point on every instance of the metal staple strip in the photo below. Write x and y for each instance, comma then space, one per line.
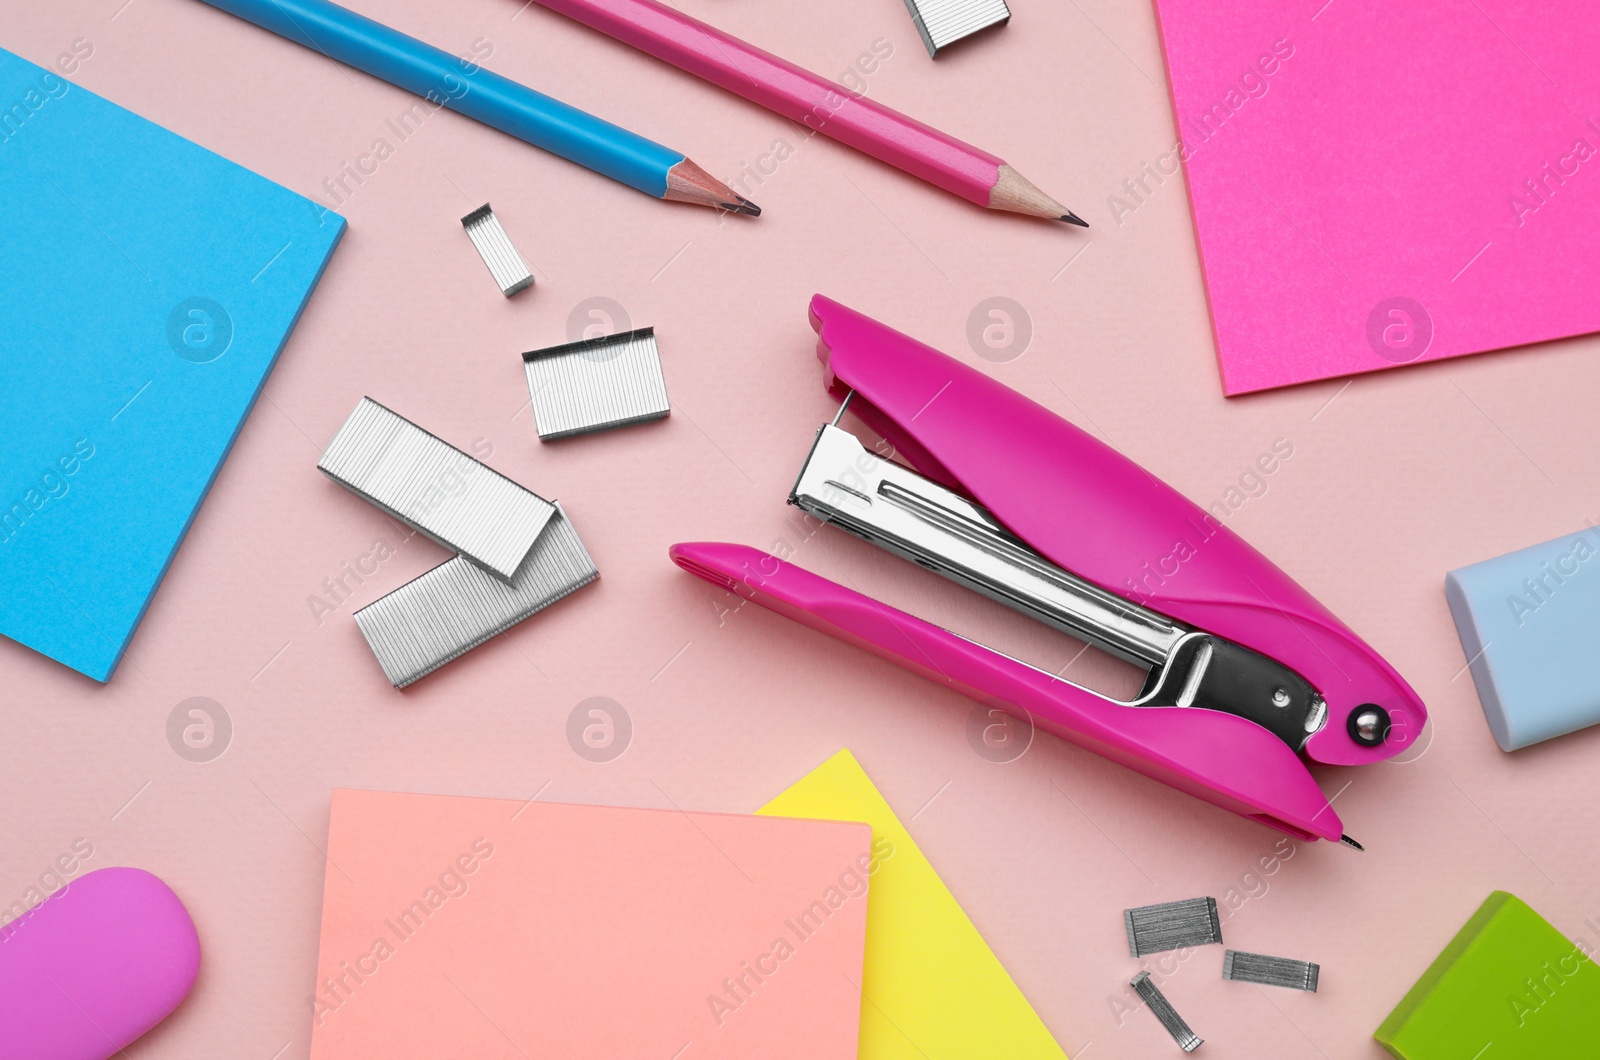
435, 488
598, 384
497, 250
1172, 925
1162, 1009
1270, 971
451, 609
943, 22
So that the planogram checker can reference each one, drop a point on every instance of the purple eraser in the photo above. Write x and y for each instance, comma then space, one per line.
94, 966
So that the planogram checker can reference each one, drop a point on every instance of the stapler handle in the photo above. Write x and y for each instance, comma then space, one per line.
1221, 758
1090, 510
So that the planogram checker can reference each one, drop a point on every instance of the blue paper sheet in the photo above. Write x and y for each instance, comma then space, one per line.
146, 288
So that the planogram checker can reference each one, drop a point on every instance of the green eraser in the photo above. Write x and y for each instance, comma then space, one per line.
1507, 980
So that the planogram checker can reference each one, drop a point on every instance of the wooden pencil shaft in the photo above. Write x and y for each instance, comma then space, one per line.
797, 94
465, 87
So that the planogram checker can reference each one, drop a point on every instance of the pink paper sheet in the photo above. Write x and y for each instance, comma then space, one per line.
488, 928
1384, 184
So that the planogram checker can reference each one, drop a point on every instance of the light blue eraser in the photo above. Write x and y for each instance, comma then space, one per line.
1529, 623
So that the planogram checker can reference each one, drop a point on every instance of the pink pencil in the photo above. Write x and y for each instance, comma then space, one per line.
816, 102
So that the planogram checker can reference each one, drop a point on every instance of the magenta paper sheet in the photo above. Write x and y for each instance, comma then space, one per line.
1384, 184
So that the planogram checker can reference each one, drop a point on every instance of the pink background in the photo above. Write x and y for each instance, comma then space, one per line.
1394, 480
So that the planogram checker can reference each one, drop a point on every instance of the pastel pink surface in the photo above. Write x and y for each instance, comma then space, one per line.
93, 968
1388, 155
500, 927
1393, 480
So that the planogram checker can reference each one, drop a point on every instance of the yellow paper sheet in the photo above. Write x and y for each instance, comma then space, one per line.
932, 988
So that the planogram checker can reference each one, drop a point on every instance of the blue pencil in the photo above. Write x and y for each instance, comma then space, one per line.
467, 88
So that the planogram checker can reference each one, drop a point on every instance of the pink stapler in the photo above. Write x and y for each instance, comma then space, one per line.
1249, 676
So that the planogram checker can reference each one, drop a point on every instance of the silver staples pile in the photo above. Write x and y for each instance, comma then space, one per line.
1171, 925
941, 23
1270, 971
1194, 922
596, 384
516, 553
497, 251
1162, 1010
